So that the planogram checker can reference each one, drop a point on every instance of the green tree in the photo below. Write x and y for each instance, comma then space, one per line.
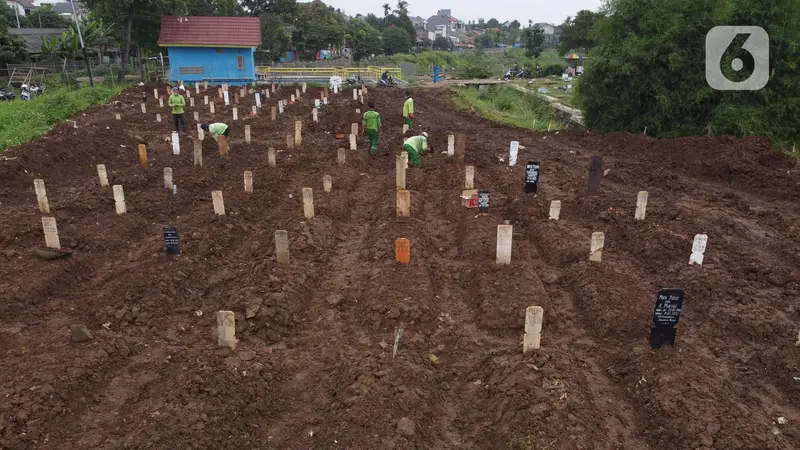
533, 40
275, 37
284, 8
11, 18
576, 33
12, 47
648, 70
214, 8
443, 43
363, 39
402, 8
46, 17
515, 25
396, 40
386, 9
318, 27
476, 65
492, 23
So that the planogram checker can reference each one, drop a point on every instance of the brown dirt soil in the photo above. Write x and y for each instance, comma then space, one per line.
314, 366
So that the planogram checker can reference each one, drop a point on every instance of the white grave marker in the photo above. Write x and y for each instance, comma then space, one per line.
219, 204
308, 202
51, 233
102, 174
167, 178
235, 113
555, 209
226, 328
698, 249
247, 133
271, 157
258, 100
513, 151
504, 237
469, 177
176, 143
598, 242
641, 205
533, 328
352, 142
119, 199
248, 181
158, 118
451, 145
327, 183
226, 98
41, 196
282, 246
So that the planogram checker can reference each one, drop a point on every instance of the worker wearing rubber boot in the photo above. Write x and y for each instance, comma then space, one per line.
416, 146
177, 102
408, 111
372, 126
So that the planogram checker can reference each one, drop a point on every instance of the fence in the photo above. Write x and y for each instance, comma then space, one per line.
271, 72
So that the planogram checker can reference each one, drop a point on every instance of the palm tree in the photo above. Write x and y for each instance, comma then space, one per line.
402, 8
386, 9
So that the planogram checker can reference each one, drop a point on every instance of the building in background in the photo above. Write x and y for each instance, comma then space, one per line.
214, 49
64, 9
22, 7
34, 36
445, 18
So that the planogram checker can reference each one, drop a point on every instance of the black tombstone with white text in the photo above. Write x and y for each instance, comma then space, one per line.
665, 316
595, 173
532, 177
483, 201
171, 240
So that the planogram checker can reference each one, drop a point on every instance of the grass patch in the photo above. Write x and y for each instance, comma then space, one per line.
21, 121
566, 98
506, 105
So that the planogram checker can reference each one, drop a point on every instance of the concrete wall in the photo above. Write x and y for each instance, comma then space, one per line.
218, 64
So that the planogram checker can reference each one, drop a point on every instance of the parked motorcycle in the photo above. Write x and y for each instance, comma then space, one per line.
354, 81
25, 93
7, 95
37, 88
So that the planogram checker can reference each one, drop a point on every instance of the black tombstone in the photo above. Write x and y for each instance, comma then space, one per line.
483, 201
595, 173
532, 177
665, 316
171, 240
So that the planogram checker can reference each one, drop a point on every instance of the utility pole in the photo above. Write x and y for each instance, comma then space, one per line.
83, 47
16, 12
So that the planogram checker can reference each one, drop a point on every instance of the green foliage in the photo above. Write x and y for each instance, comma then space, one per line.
533, 41
46, 17
576, 34
363, 39
22, 121
12, 47
396, 40
503, 104
284, 8
477, 65
649, 70
219, 8
443, 44
553, 69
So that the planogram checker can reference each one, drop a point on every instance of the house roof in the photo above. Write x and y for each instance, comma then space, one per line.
200, 31
33, 36
66, 8
24, 3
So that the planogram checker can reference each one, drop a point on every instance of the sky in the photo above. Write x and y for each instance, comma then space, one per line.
552, 11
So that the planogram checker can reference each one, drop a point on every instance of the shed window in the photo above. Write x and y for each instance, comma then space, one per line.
220, 50
240, 62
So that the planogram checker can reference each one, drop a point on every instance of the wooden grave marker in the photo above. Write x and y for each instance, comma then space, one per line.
403, 203
51, 233
504, 239
598, 242
219, 203
119, 199
282, 246
533, 328
41, 196
308, 203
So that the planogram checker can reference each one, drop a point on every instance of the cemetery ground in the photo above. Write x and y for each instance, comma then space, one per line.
313, 367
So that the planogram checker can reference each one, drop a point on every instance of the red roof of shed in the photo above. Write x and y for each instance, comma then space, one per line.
210, 31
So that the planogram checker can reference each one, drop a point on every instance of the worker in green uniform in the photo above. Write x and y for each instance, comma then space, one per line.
372, 126
177, 102
216, 130
408, 111
416, 146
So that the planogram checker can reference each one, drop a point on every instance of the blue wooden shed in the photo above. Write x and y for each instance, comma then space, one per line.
214, 49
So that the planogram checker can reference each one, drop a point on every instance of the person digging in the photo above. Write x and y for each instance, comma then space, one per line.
177, 102
372, 126
408, 111
416, 146
220, 133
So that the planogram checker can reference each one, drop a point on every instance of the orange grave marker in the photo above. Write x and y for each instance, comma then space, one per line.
402, 250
